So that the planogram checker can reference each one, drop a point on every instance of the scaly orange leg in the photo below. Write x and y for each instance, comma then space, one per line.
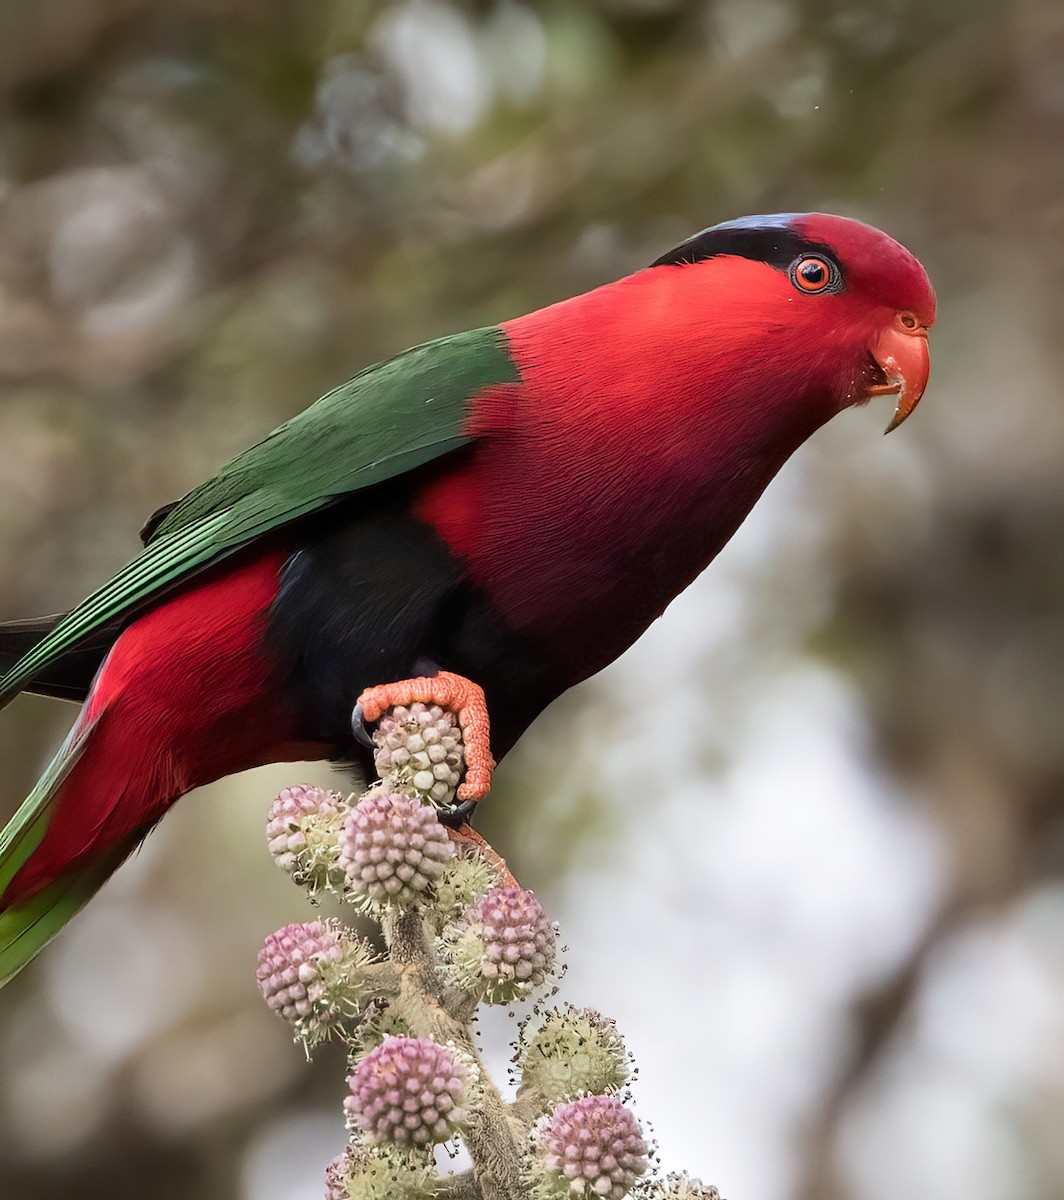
464, 699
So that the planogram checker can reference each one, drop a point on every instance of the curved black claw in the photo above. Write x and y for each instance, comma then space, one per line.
457, 815
361, 730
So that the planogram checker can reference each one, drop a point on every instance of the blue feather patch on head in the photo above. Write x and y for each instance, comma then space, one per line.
772, 238
761, 221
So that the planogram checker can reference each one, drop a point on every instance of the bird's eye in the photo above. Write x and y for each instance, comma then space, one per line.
813, 274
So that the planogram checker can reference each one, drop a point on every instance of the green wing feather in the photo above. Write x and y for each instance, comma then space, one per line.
388, 420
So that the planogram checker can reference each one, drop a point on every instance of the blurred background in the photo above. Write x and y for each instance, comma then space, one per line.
820, 882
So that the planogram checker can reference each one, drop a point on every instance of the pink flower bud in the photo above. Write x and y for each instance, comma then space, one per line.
408, 1092
518, 940
595, 1145
419, 749
301, 974
301, 832
393, 849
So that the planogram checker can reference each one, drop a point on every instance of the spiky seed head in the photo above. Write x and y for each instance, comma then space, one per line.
368, 1173
419, 750
386, 1022
466, 878
676, 1187
591, 1147
574, 1053
308, 973
302, 828
517, 942
408, 1092
392, 850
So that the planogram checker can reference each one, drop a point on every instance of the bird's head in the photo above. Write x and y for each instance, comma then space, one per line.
853, 305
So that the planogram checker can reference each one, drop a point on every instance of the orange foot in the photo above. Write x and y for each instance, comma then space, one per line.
463, 698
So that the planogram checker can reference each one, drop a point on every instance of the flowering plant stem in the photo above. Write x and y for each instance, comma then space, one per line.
459, 932
494, 1136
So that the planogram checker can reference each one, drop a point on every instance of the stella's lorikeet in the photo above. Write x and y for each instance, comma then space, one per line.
483, 521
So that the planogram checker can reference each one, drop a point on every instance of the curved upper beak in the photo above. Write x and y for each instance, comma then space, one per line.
902, 354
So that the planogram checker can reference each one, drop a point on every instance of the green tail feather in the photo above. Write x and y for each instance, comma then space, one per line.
25, 928
25, 831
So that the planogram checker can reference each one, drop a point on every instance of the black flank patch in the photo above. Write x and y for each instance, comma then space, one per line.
372, 597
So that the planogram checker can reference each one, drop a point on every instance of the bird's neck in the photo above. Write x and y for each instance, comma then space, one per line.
644, 429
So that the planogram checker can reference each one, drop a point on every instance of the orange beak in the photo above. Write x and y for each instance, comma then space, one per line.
902, 355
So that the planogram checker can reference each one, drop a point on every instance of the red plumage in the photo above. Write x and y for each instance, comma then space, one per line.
685, 391
184, 697
646, 419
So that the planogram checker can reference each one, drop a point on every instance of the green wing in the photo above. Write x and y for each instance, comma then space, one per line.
393, 417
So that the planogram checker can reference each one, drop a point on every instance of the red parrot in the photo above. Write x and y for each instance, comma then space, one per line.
483, 521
